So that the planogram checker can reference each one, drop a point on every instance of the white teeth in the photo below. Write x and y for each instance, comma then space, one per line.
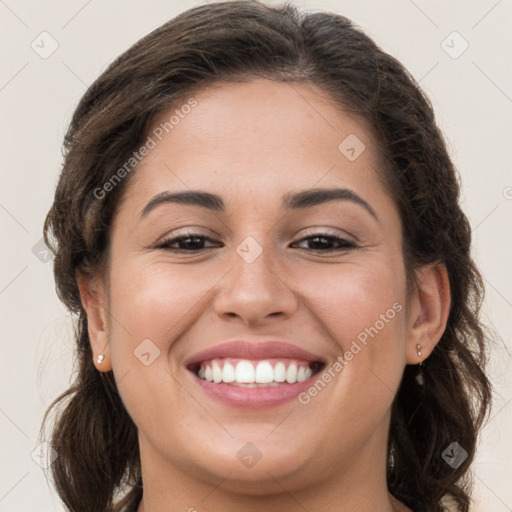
300, 374
291, 374
217, 372
228, 373
264, 373
244, 372
254, 374
279, 372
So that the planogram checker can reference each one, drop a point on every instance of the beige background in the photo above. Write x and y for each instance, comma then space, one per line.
472, 95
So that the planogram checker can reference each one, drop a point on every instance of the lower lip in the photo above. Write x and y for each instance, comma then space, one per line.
254, 398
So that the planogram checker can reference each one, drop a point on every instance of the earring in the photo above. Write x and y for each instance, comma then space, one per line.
419, 377
100, 358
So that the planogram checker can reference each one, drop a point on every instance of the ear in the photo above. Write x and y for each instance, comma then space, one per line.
429, 310
93, 297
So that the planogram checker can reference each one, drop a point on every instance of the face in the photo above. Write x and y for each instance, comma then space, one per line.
296, 263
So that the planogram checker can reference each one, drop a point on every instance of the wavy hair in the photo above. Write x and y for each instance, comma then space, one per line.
98, 466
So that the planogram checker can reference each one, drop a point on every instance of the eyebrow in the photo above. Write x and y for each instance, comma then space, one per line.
315, 196
292, 200
193, 197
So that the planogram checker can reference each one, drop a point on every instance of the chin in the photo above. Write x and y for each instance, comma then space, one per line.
250, 468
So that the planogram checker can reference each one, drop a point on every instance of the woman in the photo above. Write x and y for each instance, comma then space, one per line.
257, 226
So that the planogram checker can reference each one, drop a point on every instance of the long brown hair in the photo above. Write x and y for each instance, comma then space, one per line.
93, 435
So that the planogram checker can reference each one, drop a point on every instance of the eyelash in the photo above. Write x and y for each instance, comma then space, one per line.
344, 245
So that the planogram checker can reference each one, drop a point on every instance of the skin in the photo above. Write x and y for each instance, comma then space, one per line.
251, 144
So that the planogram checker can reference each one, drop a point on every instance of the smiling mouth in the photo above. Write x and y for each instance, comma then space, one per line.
255, 373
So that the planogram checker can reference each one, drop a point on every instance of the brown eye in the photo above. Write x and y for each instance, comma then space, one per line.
326, 243
190, 242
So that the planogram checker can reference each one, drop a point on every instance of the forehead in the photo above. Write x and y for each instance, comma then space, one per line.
255, 136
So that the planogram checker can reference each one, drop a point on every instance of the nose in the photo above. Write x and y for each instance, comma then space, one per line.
254, 292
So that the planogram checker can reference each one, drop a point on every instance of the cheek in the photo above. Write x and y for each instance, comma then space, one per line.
149, 299
151, 305
353, 298
361, 309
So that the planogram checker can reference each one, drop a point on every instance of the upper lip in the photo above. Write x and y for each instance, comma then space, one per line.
253, 350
